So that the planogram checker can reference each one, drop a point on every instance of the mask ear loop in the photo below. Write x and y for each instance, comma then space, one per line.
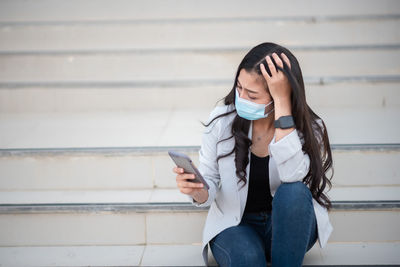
269, 112
272, 101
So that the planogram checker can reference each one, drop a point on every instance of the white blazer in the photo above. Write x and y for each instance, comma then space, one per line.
287, 163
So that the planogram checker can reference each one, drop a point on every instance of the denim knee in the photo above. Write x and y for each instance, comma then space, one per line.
293, 195
238, 255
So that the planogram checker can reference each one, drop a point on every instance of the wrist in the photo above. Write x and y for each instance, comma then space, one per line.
201, 195
285, 122
282, 101
282, 108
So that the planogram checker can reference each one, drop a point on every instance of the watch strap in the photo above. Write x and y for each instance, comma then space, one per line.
284, 122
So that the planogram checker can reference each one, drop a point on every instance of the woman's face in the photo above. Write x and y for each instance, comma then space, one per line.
253, 87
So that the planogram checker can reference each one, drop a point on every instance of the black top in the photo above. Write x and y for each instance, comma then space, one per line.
259, 196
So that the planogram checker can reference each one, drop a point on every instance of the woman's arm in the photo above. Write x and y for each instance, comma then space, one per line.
286, 148
283, 107
208, 166
292, 163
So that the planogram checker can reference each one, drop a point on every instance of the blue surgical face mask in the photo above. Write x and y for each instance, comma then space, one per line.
250, 110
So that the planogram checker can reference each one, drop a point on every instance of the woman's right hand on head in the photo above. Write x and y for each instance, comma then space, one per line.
187, 187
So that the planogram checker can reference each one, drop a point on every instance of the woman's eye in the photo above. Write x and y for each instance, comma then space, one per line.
240, 89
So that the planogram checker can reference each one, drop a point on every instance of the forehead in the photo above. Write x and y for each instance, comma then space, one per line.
252, 81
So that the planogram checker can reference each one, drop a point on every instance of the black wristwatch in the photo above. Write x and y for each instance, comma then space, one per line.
284, 122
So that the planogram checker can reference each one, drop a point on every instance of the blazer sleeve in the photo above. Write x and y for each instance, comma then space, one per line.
292, 162
208, 166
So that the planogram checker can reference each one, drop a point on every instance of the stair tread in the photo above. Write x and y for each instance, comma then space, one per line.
334, 253
168, 126
367, 193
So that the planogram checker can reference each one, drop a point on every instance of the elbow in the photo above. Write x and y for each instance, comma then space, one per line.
291, 175
294, 177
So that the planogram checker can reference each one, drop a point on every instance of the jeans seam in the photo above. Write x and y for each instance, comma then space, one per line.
309, 194
316, 227
226, 252
308, 248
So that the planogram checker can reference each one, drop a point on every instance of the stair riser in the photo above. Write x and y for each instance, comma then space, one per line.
195, 35
334, 255
65, 171
173, 67
166, 228
381, 95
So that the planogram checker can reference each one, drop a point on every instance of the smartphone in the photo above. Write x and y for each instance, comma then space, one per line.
183, 161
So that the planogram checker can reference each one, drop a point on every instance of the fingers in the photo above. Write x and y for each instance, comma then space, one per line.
277, 60
286, 59
188, 187
181, 175
264, 72
177, 170
184, 176
183, 184
271, 65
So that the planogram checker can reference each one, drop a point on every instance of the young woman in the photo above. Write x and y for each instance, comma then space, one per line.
264, 155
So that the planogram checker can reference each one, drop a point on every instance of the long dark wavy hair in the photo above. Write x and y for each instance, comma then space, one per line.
305, 119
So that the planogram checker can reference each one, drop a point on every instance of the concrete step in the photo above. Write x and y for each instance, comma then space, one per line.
133, 69
172, 127
335, 254
93, 184
41, 11
341, 195
138, 217
206, 35
130, 168
120, 98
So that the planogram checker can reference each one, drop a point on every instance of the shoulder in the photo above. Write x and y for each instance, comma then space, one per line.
215, 125
219, 110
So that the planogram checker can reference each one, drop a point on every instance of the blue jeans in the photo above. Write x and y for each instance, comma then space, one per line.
281, 238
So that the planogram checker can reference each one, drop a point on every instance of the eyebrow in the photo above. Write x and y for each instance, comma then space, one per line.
247, 88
